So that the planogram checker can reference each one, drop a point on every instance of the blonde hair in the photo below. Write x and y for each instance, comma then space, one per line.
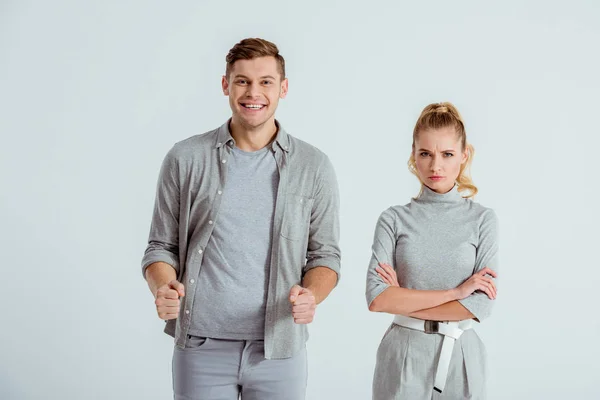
443, 115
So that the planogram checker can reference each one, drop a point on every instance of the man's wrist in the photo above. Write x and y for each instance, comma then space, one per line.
314, 293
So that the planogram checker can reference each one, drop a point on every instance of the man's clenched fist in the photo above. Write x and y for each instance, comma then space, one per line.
167, 300
303, 305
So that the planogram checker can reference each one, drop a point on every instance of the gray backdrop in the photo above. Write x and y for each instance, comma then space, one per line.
93, 94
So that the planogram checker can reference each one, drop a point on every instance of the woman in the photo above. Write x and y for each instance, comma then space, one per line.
434, 259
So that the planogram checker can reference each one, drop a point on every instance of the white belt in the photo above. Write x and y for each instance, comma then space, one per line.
451, 332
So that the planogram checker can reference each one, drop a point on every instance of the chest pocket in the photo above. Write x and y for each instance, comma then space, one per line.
296, 216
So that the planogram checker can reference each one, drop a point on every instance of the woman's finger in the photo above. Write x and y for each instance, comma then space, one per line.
492, 285
486, 290
489, 281
487, 271
385, 278
482, 284
392, 273
384, 272
388, 268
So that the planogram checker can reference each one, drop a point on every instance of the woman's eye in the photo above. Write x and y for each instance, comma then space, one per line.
448, 154
424, 154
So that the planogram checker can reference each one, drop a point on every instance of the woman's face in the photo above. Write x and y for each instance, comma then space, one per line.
438, 156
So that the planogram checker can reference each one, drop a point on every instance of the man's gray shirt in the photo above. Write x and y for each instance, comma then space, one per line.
305, 225
231, 293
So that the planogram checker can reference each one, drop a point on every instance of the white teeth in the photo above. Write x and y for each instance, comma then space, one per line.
254, 106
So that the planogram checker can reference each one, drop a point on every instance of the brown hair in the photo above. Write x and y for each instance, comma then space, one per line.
251, 48
443, 115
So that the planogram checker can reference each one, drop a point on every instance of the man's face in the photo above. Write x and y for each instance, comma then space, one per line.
254, 88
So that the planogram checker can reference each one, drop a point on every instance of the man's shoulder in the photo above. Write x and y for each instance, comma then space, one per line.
194, 145
306, 151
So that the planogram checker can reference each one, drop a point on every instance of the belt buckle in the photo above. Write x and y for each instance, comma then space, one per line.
432, 326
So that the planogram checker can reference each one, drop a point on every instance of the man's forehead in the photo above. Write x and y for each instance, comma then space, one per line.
256, 68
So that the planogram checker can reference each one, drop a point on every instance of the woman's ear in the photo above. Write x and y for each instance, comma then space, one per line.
466, 154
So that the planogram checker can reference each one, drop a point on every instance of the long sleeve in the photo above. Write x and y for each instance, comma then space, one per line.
384, 244
163, 241
324, 232
479, 304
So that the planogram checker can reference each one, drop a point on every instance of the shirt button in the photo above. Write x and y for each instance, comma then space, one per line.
210, 222
218, 144
192, 281
219, 192
224, 161
200, 251
187, 311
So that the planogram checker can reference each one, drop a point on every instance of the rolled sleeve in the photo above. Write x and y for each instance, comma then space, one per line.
164, 230
324, 232
384, 244
478, 303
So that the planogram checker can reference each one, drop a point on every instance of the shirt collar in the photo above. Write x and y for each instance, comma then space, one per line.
224, 136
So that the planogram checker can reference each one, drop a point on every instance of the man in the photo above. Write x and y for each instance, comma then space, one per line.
243, 243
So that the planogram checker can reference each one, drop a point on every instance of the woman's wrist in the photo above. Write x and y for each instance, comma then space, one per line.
453, 294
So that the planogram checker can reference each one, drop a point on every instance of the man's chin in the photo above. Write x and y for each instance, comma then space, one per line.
252, 122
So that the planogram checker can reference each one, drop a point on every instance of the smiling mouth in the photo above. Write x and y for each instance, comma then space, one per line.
253, 106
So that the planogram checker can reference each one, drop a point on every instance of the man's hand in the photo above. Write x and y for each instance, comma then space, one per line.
167, 300
303, 304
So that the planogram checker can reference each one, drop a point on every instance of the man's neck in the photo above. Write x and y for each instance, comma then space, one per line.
253, 139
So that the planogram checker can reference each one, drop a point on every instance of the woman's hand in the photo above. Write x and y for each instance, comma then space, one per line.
478, 281
387, 273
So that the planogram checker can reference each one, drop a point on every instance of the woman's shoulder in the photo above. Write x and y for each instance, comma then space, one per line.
480, 211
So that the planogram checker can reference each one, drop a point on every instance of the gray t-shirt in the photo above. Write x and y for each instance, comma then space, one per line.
232, 286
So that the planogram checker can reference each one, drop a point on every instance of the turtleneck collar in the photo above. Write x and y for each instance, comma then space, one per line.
429, 196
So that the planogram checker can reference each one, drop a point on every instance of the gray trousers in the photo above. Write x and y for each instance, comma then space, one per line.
407, 360
216, 369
